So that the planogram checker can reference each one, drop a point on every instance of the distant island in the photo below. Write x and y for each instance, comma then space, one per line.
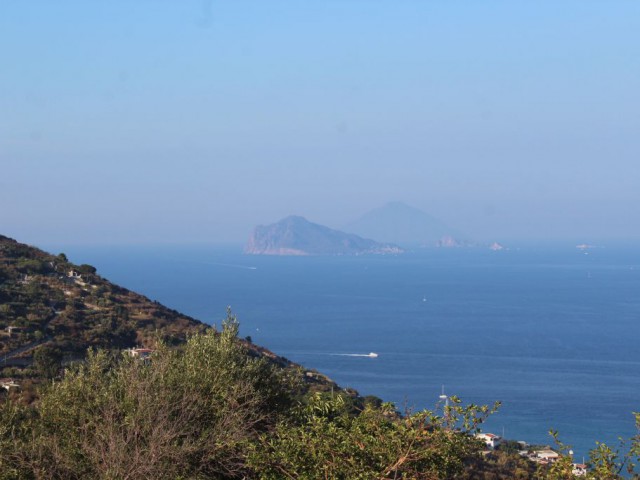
404, 225
296, 235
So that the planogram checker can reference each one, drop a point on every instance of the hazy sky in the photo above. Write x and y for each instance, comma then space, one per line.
191, 121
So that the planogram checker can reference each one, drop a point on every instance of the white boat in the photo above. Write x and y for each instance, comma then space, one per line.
373, 355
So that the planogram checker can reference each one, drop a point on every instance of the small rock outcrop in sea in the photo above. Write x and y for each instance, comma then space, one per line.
450, 242
496, 247
297, 236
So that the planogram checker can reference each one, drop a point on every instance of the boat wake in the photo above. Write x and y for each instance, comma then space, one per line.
370, 355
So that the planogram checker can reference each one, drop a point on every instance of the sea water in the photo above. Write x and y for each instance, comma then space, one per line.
553, 333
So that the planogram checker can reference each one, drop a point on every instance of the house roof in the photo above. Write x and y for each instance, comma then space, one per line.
547, 454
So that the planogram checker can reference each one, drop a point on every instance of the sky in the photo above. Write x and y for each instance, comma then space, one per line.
192, 121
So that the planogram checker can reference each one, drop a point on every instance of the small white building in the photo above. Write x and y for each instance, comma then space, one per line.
12, 329
490, 439
548, 455
8, 384
141, 353
74, 274
579, 469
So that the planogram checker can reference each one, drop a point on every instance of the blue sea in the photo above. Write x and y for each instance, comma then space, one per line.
551, 332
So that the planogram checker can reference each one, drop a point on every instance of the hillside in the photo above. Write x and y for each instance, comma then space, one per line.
45, 298
297, 236
402, 224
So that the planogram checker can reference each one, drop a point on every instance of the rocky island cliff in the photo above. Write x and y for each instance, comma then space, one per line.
296, 235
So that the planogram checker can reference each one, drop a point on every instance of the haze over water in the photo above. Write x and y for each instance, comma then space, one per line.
550, 332
193, 121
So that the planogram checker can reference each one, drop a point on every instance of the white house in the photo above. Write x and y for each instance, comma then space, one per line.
579, 469
490, 439
8, 383
548, 455
74, 274
142, 353
11, 330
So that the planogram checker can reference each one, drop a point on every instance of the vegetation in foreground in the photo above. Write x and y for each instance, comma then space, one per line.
208, 409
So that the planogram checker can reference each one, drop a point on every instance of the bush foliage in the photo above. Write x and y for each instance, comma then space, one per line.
214, 409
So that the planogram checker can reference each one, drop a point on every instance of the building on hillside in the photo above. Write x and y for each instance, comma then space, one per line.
579, 469
8, 383
13, 329
141, 353
547, 455
490, 439
74, 274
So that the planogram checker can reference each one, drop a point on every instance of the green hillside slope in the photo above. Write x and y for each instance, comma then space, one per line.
46, 299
